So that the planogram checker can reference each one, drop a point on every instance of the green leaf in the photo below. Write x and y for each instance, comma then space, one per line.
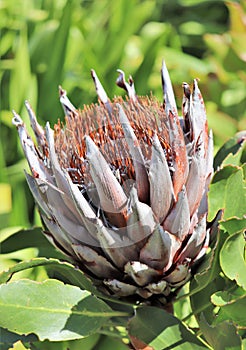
87, 343
201, 302
107, 343
222, 336
8, 338
51, 310
233, 146
21, 74
67, 270
223, 298
19, 346
232, 259
235, 196
161, 330
70, 274
56, 59
238, 157
209, 269
230, 308
207, 281
228, 192
6, 202
234, 225
29, 238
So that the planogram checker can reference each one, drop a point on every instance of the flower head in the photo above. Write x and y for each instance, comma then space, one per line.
122, 186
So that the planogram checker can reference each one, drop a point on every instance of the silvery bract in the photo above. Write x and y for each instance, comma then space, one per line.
122, 186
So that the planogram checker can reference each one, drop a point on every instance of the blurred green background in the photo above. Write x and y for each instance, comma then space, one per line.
45, 43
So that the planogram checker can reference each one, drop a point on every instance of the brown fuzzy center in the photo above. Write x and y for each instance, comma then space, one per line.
147, 117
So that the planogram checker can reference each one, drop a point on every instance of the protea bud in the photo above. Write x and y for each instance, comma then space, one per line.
122, 186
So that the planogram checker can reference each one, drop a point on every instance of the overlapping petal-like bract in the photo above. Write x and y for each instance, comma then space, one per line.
122, 186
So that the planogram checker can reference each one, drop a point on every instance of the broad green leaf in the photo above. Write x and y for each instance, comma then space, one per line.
234, 225
51, 310
235, 196
232, 258
217, 190
6, 275
237, 158
232, 146
223, 336
161, 330
228, 192
223, 298
231, 308
72, 275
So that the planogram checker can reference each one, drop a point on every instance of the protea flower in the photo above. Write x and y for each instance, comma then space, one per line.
122, 186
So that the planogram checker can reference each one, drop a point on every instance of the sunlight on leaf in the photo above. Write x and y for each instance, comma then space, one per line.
6, 200
19, 346
222, 336
51, 309
163, 332
232, 259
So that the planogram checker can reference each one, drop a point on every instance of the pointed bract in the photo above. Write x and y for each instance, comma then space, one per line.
178, 221
67, 106
142, 181
34, 159
112, 197
141, 221
179, 154
127, 86
141, 273
36, 127
94, 262
160, 249
168, 94
198, 116
161, 186
101, 93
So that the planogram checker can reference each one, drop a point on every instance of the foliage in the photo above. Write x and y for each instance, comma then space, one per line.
47, 43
